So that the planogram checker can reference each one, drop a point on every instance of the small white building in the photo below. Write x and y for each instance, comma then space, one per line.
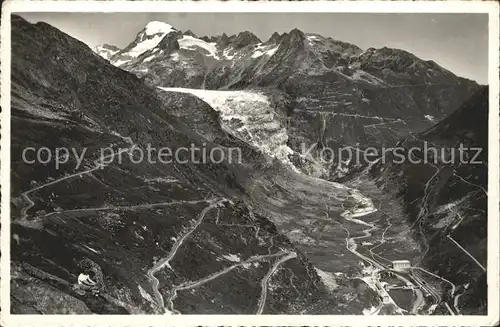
401, 265
85, 280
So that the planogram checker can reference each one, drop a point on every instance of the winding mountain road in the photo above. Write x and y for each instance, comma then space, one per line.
166, 260
98, 165
265, 280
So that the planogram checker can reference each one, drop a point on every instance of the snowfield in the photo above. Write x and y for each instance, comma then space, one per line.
156, 27
105, 52
191, 43
261, 50
145, 45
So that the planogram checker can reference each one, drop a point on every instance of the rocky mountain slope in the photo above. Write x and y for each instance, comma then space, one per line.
336, 93
326, 93
155, 237
446, 198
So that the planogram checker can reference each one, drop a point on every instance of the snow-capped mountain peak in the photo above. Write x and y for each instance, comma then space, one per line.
148, 38
155, 27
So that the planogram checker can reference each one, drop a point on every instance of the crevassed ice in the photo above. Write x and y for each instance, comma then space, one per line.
248, 116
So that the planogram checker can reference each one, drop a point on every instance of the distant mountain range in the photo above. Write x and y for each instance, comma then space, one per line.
333, 93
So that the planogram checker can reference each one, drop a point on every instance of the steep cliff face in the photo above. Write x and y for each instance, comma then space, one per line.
155, 237
446, 197
339, 95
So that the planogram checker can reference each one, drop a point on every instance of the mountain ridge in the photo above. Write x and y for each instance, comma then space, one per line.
330, 83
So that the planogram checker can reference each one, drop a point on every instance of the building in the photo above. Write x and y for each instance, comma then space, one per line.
401, 265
